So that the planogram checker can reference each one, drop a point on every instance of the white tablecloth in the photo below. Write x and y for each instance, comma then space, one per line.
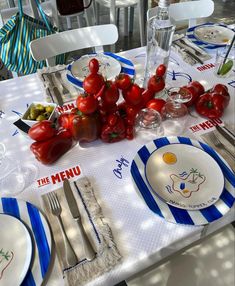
142, 237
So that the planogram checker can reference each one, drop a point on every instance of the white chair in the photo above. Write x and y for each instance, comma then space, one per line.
190, 11
114, 5
48, 47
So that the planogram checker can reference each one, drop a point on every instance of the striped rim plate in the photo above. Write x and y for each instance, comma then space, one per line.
192, 35
40, 233
172, 213
127, 67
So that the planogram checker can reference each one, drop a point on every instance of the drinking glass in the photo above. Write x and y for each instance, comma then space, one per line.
174, 112
14, 177
148, 124
225, 62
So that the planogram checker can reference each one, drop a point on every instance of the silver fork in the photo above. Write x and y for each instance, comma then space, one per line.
56, 210
215, 140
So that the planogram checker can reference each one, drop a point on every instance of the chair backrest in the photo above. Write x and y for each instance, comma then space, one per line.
190, 10
48, 47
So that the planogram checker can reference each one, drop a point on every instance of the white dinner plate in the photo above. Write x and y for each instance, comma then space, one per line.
15, 250
40, 233
111, 65
178, 174
210, 35
108, 67
164, 160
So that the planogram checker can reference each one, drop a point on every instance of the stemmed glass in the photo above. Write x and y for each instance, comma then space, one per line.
14, 177
175, 112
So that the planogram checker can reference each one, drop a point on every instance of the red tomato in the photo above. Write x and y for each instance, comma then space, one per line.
87, 104
199, 87
123, 81
132, 95
189, 90
161, 70
93, 83
93, 66
220, 88
156, 104
156, 83
110, 94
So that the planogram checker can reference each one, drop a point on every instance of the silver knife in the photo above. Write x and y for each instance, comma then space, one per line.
225, 134
87, 247
58, 95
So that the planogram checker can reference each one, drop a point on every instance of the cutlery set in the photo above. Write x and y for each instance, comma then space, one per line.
56, 209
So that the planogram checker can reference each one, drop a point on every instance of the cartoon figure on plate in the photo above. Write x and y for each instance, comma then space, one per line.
184, 183
5, 260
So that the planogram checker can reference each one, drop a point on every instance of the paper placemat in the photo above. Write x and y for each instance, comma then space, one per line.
99, 233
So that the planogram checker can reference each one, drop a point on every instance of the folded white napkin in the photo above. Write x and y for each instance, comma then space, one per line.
99, 233
50, 96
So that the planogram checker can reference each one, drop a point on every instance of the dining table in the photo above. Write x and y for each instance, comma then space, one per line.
142, 237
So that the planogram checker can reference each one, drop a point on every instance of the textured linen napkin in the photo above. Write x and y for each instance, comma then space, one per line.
99, 233
49, 84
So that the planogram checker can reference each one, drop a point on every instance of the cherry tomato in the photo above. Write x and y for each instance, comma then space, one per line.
123, 81
132, 95
161, 70
94, 66
199, 87
110, 94
112, 119
93, 83
156, 83
87, 104
156, 104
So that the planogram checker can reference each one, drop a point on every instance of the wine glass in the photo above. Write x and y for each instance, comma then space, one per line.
175, 112
14, 177
148, 124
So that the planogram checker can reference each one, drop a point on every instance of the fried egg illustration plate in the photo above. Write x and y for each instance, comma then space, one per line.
182, 175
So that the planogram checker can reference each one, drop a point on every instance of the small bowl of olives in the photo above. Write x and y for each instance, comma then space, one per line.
39, 111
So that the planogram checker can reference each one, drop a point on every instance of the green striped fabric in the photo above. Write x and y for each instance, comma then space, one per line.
15, 37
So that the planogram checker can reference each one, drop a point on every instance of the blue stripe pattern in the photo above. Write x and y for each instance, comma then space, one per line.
40, 237
127, 67
11, 206
182, 216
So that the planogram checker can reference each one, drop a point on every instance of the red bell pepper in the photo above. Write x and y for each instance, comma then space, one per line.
85, 127
52, 149
42, 130
211, 105
114, 130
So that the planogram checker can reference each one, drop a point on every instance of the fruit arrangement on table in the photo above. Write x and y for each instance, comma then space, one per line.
107, 110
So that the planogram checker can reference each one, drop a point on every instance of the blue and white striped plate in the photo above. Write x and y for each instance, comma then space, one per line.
191, 34
40, 234
169, 212
127, 67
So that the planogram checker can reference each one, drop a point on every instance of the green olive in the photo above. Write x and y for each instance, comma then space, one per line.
49, 108
41, 117
40, 107
33, 113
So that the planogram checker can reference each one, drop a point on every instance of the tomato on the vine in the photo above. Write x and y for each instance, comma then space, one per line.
123, 81
93, 83
110, 94
86, 103
161, 70
156, 83
156, 104
93, 66
132, 95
